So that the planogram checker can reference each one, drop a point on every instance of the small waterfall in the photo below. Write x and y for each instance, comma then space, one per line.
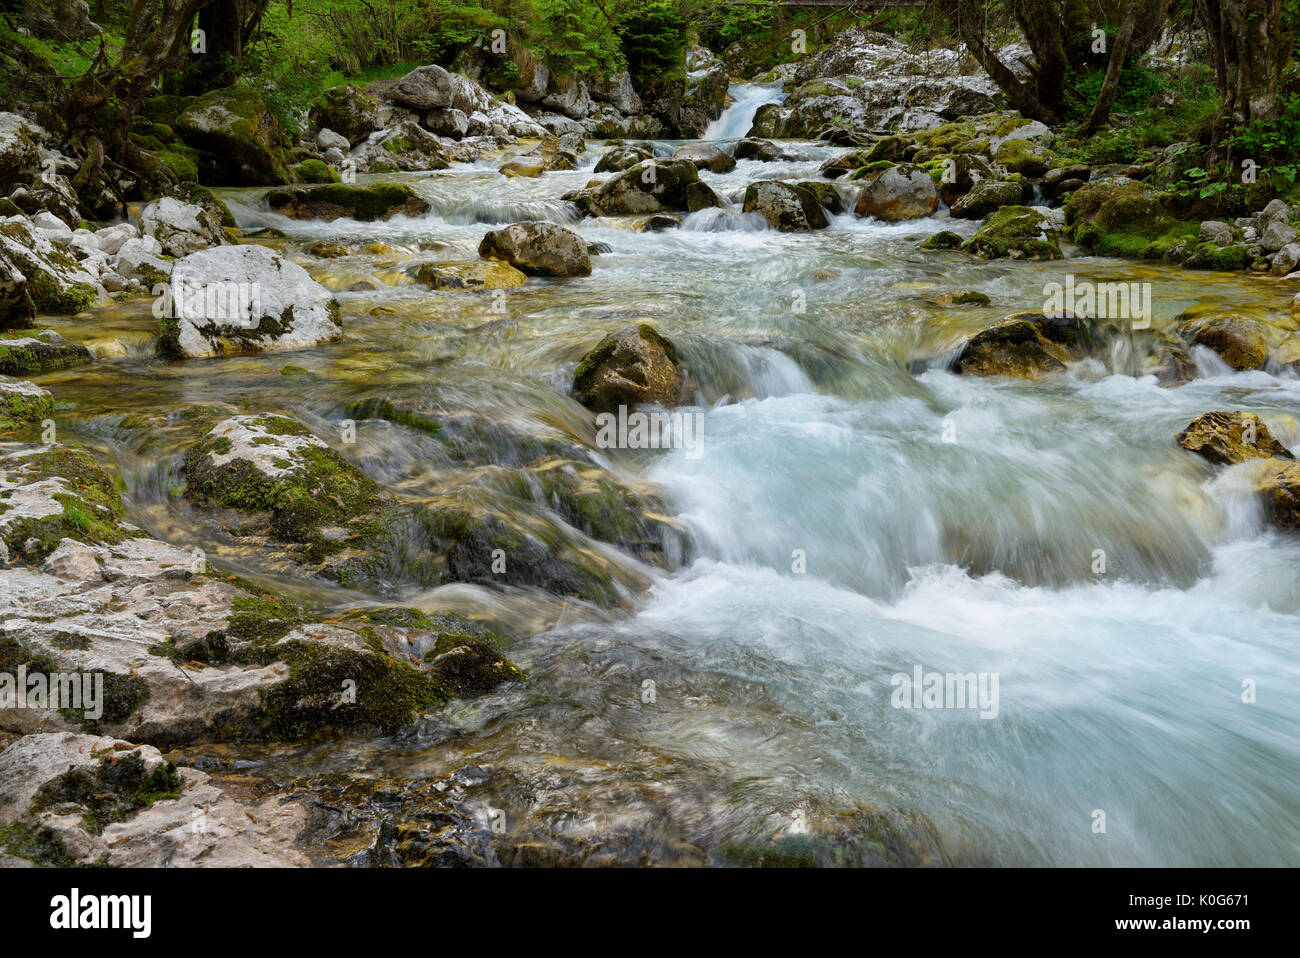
739, 117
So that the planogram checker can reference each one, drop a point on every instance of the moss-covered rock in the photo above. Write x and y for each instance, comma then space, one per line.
633, 365
27, 352
1020, 347
1015, 232
786, 207
377, 201
315, 171
240, 141
347, 110
23, 404
989, 195
48, 495
1024, 157
944, 239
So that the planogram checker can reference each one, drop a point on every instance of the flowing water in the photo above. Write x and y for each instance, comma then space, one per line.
855, 515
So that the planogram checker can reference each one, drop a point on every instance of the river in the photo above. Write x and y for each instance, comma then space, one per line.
855, 515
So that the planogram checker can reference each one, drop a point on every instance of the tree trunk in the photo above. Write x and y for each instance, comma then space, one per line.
971, 31
1110, 85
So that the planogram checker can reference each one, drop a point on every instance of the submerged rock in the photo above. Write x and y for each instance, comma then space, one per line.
633, 365
242, 299
492, 274
377, 201
1278, 484
1228, 438
1018, 347
538, 249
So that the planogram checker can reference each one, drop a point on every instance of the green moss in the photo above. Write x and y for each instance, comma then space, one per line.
945, 239
91, 507
971, 297
264, 618
1013, 232
1213, 256
366, 203
18, 411
389, 694
36, 845
116, 790
315, 171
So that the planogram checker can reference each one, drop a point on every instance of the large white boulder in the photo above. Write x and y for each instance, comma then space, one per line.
241, 299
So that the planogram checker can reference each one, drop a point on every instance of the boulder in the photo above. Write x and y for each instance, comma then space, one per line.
52, 280
347, 111
377, 201
1278, 483
901, 192
706, 156
633, 365
616, 89
406, 147
1015, 232
240, 299
651, 186
1227, 438
1216, 232
23, 404
1021, 156
987, 196
538, 249
181, 228
704, 100
786, 207
20, 142
239, 135
756, 148
1277, 234
327, 139
90, 801
619, 158
1024, 346
1242, 342
23, 354
568, 97
447, 121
